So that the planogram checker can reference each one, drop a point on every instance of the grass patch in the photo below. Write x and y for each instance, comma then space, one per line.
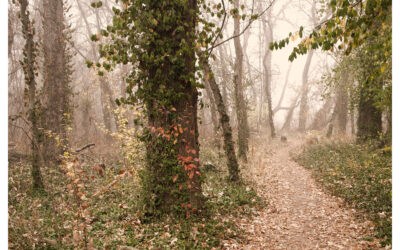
361, 174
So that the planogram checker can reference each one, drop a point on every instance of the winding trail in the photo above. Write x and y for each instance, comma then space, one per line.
299, 215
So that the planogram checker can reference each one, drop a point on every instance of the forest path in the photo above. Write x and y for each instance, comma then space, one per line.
299, 214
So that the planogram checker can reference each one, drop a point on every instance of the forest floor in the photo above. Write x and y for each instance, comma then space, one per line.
299, 214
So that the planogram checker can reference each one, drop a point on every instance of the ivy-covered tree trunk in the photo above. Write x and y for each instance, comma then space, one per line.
369, 122
28, 65
56, 90
229, 146
240, 104
159, 38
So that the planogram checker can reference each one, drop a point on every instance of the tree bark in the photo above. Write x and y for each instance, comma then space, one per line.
213, 113
241, 109
178, 111
55, 85
229, 145
29, 71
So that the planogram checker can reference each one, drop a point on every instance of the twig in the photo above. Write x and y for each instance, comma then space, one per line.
220, 31
248, 25
84, 147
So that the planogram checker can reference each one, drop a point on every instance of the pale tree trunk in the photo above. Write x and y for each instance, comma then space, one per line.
342, 102
241, 109
267, 64
29, 71
225, 76
353, 130
289, 116
321, 117
304, 93
213, 113
303, 112
229, 146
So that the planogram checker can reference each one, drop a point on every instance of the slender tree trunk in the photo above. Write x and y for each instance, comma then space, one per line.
303, 112
214, 118
105, 90
55, 86
278, 106
29, 71
10, 33
241, 109
304, 93
321, 117
352, 122
229, 146
289, 116
268, 72
342, 103
332, 120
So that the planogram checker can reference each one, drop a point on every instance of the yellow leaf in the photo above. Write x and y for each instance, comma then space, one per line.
383, 68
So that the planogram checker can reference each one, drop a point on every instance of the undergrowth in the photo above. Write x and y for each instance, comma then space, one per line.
113, 217
361, 174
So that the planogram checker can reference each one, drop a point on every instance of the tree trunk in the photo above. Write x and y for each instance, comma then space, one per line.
171, 105
342, 103
213, 114
289, 116
29, 70
321, 117
369, 122
332, 120
352, 122
268, 72
241, 107
303, 112
304, 93
105, 90
55, 85
229, 146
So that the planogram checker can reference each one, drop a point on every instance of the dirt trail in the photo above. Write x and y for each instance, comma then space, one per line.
299, 214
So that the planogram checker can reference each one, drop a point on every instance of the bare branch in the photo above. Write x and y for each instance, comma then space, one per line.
248, 25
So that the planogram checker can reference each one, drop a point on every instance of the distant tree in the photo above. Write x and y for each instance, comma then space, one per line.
240, 103
229, 146
365, 26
